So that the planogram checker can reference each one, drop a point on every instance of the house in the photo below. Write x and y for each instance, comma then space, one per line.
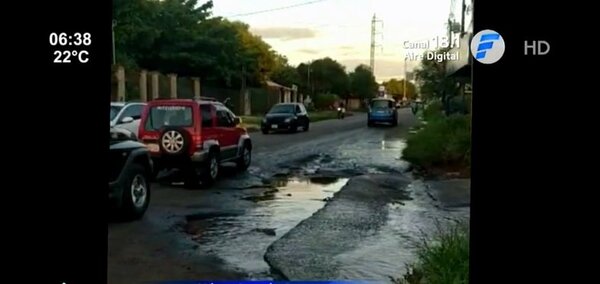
284, 94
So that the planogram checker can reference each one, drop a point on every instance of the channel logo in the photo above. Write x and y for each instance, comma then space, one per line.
487, 46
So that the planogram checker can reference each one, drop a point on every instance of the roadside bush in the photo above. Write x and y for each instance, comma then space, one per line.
443, 142
433, 111
444, 260
323, 101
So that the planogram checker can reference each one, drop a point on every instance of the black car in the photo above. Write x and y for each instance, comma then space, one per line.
285, 116
130, 172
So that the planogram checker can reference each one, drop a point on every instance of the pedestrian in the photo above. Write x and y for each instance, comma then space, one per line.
414, 107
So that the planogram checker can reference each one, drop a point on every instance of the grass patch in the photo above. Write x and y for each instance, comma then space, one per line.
444, 260
443, 143
323, 115
251, 120
251, 123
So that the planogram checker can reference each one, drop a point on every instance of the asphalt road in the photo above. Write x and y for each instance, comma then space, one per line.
278, 140
222, 233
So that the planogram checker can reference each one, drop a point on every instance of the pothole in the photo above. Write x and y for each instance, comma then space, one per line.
241, 240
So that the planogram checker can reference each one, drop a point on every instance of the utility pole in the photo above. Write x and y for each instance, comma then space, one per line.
405, 79
374, 32
308, 88
462, 18
114, 24
449, 29
243, 90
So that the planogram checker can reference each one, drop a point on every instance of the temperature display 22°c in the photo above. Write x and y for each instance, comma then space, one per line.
68, 56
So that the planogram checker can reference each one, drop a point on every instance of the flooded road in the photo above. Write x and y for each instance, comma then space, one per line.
386, 252
275, 211
241, 240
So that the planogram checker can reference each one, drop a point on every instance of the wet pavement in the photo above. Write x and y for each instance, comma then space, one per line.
242, 239
223, 232
367, 232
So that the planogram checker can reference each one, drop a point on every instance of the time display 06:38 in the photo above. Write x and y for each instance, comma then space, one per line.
76, 39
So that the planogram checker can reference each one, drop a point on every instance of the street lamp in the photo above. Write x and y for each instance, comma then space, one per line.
114, 24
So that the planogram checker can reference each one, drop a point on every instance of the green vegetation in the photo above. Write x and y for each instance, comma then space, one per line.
433, 111
324, 101
323, 115
183, 37
395, 87
251, 120
362, 82
251, 123
444, 260
443, 144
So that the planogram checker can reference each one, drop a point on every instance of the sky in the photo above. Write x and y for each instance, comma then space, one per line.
341, 29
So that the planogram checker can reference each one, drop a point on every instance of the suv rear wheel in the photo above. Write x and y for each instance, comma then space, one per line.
174, 141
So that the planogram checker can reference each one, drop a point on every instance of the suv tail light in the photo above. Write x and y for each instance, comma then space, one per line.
197, 140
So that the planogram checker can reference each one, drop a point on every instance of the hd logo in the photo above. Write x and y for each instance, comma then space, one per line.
487, 46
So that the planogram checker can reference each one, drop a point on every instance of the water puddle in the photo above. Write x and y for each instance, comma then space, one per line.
242, 239
386, 253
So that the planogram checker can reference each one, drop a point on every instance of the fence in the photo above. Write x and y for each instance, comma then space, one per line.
142, 85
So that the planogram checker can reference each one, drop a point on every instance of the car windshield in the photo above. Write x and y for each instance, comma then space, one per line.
114, 110
282, 109
161, 116
382, 104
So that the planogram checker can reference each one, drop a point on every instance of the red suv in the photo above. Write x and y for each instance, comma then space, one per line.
195, 136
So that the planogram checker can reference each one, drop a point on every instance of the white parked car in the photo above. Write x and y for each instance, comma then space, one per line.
126, 115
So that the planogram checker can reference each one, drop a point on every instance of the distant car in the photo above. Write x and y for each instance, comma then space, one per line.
130, 173
194, 136
285, 116
382, 110
126, 115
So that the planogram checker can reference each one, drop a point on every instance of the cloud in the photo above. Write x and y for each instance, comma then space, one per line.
308, 50
284, 33
346, 47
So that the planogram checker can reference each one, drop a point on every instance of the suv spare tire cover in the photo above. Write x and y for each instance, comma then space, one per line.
174, 141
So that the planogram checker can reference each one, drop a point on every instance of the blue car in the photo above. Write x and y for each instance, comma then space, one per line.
382, 110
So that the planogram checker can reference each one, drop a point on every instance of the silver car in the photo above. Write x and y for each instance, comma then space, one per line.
126, 115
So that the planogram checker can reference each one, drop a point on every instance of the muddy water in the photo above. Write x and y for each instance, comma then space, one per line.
241, 240
388, 251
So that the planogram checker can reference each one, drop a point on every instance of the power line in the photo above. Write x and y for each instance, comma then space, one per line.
275, 9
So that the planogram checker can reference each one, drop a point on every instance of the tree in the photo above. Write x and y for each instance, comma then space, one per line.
434, 82
362, 82
303, 72
329, 76
179, 36
431, 76
256, 56
395, 87
285, 74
